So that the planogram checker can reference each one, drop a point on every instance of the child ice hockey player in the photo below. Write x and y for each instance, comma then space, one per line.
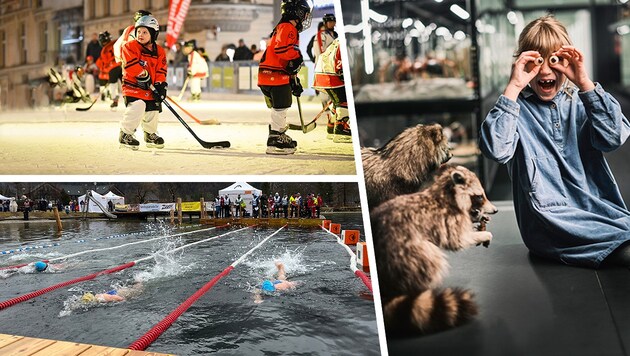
197, 68
108, 66
277, 73
329, 78
145, 66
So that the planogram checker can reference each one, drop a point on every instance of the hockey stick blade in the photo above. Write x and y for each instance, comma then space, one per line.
204, 144
89, 107
307, 128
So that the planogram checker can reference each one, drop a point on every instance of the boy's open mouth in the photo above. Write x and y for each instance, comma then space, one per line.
547, 84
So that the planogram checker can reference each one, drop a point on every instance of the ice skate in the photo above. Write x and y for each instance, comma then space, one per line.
114, 105
279, 143
128, 141
153, 140
342, 133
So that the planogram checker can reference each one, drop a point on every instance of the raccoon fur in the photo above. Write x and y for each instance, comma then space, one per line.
404, 163
410, 233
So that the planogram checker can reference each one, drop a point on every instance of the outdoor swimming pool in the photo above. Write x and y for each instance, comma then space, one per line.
330, 312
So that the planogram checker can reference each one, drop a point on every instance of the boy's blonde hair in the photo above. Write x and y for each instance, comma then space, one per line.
545, 34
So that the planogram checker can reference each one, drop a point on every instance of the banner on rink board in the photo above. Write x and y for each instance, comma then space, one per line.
157, 207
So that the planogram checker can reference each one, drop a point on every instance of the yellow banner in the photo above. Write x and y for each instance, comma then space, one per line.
191, 206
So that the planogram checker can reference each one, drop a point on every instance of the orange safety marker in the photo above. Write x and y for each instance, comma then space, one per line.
335, 228
326, 224
362, 256
350, 237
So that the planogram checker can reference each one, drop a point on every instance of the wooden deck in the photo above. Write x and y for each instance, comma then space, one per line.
21, 345
273, 222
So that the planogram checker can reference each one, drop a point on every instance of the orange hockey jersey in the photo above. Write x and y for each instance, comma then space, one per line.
283, 47
106, 61
136, 59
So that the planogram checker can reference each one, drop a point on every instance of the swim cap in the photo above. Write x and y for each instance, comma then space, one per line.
268, 286
88, 298
112, 292
40, 266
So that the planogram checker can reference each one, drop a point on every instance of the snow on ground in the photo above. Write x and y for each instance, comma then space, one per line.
61, 141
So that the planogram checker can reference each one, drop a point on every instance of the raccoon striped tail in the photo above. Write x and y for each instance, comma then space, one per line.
428, 312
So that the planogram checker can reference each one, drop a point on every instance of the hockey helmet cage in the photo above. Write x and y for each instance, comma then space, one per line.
299, 10
151, 24
139, 14
329, 17
104, 38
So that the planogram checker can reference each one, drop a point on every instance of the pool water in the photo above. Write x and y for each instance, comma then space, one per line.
327, 313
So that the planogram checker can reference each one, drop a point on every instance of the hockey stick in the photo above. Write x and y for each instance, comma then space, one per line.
181, 93
305, 128
204, 144
89, 107
204, 122
299, 127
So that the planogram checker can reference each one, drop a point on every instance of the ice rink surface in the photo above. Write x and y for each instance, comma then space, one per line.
63, 141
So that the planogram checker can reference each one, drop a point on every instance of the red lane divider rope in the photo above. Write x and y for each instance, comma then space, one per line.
147, 339
25, 297
366, 280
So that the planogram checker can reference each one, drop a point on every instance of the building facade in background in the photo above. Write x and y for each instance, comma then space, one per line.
38, 34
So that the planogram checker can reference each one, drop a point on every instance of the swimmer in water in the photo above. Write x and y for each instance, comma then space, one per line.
115, 295
270, 286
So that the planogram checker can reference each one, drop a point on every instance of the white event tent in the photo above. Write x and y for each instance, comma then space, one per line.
246, 192
102, 200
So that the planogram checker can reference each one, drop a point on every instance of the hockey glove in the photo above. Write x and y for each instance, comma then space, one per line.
294, 65
144, 80
296, 87
160, 91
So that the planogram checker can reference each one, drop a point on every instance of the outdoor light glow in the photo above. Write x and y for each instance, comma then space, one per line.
367, 34
414, 32
439, 0
353, 28
623, 30
407, 22
459, 11
459, 35
512, 17
623, 1
377, 17
442, 31
230, 53
419, 25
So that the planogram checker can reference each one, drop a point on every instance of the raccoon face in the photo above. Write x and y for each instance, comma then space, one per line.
471, 196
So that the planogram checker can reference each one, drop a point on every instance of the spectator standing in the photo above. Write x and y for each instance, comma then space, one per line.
242, 53
93, 48
320, 202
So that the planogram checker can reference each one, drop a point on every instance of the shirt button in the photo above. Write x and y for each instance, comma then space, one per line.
553, 106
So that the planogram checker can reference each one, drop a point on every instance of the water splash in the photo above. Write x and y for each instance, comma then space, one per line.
167, 263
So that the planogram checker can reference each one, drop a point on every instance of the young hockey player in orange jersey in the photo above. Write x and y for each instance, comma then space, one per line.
144, 64
277, 73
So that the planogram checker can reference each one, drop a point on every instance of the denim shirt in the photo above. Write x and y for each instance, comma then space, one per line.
567, 203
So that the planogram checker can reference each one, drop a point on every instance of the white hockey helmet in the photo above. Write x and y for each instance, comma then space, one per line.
151, 24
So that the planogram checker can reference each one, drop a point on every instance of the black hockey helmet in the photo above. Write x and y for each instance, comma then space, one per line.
299, 10
191, 43
329, 17
151, 24
104, 38
139, 14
